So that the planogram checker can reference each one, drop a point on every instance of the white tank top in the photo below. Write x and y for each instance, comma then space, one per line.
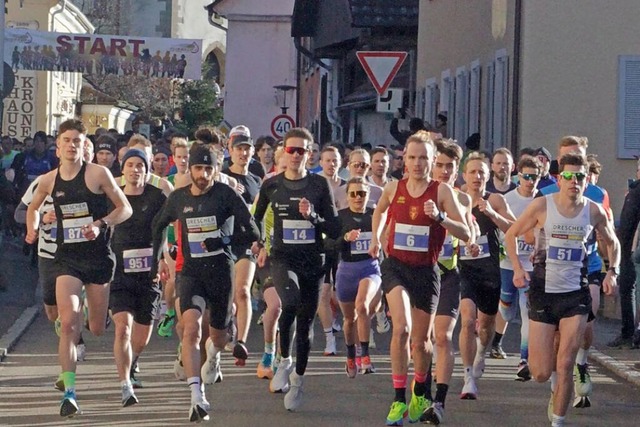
518, 204
565, 246
46, 237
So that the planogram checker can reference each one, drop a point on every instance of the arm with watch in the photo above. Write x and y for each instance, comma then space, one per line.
448, 213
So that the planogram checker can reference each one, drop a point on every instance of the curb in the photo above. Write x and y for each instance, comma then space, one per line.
19, 327
615, 366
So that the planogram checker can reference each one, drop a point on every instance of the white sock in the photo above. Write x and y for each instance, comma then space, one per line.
328, 332
581, 358
126, 383
557, 421
467, 371
481, 350
554, 378
194, 385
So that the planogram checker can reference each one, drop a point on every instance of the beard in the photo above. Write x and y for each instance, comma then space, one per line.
201, 183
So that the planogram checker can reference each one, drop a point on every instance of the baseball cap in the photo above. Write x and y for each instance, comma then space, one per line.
241, 140
135, 152
544, 152
239, 130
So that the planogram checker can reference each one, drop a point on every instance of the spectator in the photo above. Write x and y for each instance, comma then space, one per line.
106, 154
415, 124
397, 164
7, 153
265, 146
441, 124
313, 163
544, 156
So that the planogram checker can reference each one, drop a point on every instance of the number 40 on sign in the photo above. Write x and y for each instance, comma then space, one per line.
281, 124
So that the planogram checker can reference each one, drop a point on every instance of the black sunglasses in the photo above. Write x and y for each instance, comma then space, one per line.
357, 193
529, 176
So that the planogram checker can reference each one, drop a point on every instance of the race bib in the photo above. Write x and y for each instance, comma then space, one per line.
565, 251
298, 232
137, 260
524, 248
74, 217
414, 238
199, 230
362, 244
482, 242
446, 252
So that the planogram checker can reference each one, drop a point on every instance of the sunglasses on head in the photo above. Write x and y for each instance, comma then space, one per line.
361, 165
297, 150
529, 176
357, 193
580, 176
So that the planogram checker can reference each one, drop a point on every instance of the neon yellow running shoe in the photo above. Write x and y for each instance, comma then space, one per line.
397, 412
417, 405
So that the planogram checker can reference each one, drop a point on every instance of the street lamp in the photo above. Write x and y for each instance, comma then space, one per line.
281, 96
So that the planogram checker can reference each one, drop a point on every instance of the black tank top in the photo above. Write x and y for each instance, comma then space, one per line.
489, 237
75, 206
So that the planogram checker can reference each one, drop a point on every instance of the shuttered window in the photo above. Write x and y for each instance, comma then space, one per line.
474, 98
501, 82
487, 137
461, 105
628, 106
432, 101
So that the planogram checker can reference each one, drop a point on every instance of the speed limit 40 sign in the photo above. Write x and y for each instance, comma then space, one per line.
281, 124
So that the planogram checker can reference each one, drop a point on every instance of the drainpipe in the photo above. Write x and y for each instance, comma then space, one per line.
517, 54
332, 116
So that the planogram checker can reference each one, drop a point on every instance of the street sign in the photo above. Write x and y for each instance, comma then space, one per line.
390, 101
281, 124
381, 67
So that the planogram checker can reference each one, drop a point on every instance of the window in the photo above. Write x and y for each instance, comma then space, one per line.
489, 105
447, 99
474, 98
500, 100
461, 105
628, 106
432, 100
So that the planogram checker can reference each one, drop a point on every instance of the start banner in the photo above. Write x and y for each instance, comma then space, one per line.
100, 54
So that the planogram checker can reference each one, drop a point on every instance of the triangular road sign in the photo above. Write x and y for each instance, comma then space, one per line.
381, 67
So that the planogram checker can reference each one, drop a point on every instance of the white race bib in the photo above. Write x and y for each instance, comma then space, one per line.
414, 238
298, 232
137, 260
362, 244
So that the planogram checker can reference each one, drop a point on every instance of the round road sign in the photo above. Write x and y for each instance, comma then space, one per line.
281, 125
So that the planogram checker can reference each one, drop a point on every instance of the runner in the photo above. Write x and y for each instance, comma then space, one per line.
134, 296
421, 212
445, 170
212, 218
80, 192
559, 296
480, 272
358, 276
303, 211
529, 173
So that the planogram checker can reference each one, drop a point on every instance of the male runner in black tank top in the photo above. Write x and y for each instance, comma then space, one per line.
303, 211
80, 192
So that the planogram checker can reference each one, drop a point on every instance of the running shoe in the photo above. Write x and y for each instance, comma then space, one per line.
210, 371
241, 353
366, 367
330, 348
523, 374
293, 398
81, 352
198, 413
232, 332
382, 322
417, 405
178, 367
358, 356
280, 381
350, 367
582, 380
57, 325
582, 402
69, 406
265, 367
165, 327
128, 396
497, 352
434, 414
135, 383
135, 367
478, 366
260, 320
397, 413
469, 390
372, 341
59, 384
550, 408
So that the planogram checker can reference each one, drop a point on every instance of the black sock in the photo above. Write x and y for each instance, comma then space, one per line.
351, 351
441, 393
401, 395
365, 348
429, 379
497, 339
419, 389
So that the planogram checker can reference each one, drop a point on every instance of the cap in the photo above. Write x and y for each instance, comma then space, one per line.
162, 149
543, 152
240, 130
241, 140
106, 142
135, 152
201, 155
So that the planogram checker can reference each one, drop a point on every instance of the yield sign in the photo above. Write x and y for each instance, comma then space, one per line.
381, 67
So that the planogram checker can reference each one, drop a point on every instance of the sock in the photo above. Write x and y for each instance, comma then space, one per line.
467, 371
269, 347
171, 312
126, 383
69, 379
441, 393
554, 378
351, 351
429, 379
400, 386
328, 332
497, 339
134, 360
581, 358
365, 347
194, 385
419, 386
557, 421
481, 350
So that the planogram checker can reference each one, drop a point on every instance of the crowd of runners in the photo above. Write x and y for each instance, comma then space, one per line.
421, 234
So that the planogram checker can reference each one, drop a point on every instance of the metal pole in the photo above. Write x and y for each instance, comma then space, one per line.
2, 64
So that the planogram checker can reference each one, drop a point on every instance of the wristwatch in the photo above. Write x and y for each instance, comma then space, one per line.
614, 270
440, 217
103, 223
